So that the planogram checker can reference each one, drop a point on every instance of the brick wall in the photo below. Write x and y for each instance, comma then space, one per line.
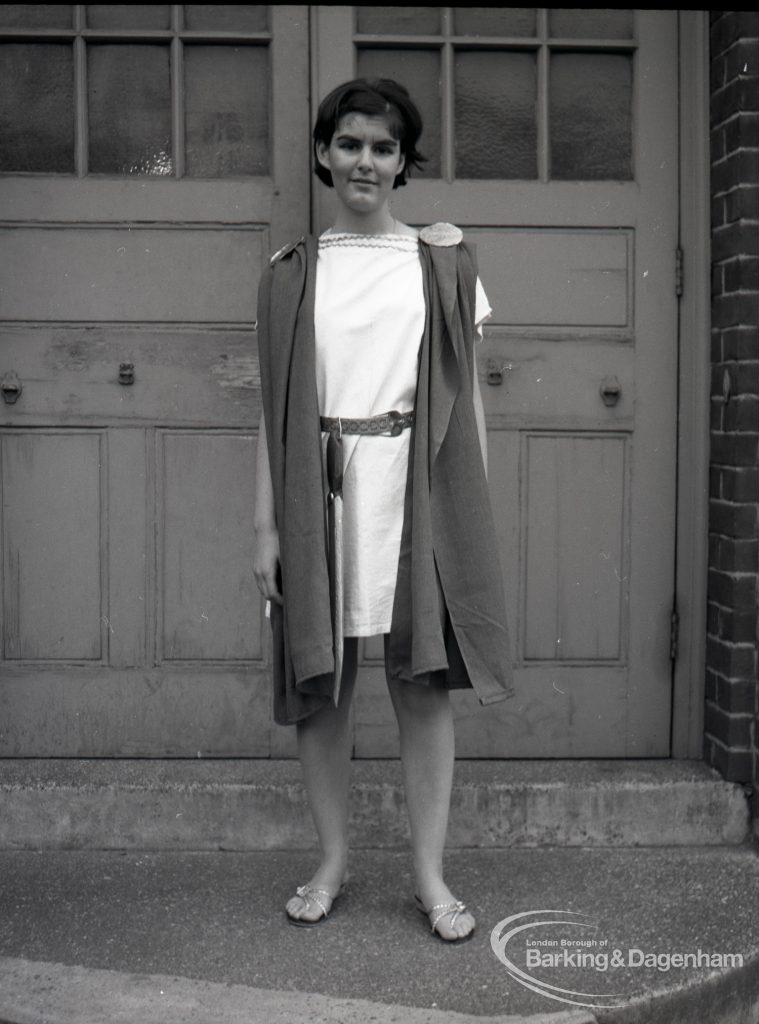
731, 737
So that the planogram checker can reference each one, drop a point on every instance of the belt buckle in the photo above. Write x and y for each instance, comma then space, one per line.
396, 427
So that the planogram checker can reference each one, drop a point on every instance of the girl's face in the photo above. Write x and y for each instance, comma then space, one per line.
364, 160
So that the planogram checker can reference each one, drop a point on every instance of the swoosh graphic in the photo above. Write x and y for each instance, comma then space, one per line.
499, 941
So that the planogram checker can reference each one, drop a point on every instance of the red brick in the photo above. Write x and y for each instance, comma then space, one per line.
733, 522
732, 661
742, 201
718, 279
733, 765
732, 590
742, 414
738, 627
742, 274
740, 484
711, 687
742, 131
735, 309
736, 238
716, 415
715, 486
737, 95
742, 59
718, 211
740, 343
736, 591
729, 555
734, 450
718, 143
716, 344
724, 175
732, 730
744, 377
734, 25
717, 389
735, 696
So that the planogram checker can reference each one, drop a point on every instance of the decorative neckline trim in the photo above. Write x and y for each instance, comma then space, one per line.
343, 239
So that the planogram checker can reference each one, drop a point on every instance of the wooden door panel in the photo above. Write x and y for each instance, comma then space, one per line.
565, 278
175, 274
52, 527
192, 711
574, 525
210, 606
543, 382
185, 375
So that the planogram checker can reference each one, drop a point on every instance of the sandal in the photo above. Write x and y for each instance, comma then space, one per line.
318, 896
438, 912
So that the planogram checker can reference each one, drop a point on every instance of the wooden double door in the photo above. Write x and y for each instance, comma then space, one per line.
130, 620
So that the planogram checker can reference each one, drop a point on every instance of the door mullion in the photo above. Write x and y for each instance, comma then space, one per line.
448, 98
81, 119
543, 71
177, 93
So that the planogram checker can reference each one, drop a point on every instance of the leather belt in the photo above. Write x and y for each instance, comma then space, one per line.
389, 423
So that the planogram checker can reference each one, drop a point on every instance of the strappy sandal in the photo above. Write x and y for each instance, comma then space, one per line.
436, 914
310, 895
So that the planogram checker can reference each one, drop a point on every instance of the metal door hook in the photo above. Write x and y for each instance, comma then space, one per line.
495, 372
11, 387
610, 390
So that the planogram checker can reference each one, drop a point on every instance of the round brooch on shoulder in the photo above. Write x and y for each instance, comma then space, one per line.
441, 234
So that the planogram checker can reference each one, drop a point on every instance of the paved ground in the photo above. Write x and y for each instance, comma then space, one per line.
202, 937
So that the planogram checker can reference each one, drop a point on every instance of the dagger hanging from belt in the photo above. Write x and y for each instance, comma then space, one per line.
335, 526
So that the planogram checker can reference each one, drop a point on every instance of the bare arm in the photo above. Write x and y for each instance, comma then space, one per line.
266, 562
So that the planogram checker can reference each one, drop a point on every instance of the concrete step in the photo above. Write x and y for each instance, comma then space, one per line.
260, 805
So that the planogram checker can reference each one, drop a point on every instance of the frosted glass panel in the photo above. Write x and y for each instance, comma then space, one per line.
590, 24
128, 16
35, 15
227, 110
419, 72
591, 116
494, 21
130, 109
36, 108
496, 131
229, 17
398, 20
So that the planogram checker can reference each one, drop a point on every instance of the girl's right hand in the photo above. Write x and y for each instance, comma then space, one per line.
266, 564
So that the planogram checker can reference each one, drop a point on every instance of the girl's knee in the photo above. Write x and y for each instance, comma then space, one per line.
419, 698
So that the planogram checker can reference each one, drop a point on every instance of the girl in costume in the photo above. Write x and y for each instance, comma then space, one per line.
372, 511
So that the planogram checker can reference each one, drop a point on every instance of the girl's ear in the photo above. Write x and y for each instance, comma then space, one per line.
322, 154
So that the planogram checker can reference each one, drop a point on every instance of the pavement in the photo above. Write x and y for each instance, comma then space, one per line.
173, 937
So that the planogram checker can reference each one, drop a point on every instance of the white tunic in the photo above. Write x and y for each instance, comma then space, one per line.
369, 320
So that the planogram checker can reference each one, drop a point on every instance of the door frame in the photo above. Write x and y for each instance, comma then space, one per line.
688, 690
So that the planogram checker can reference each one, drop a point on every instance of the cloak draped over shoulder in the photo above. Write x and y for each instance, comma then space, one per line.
449, 618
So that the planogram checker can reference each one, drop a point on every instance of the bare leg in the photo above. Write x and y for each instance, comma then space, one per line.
425, 721
324, 748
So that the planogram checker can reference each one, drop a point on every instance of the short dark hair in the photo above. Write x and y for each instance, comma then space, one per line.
374, 97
